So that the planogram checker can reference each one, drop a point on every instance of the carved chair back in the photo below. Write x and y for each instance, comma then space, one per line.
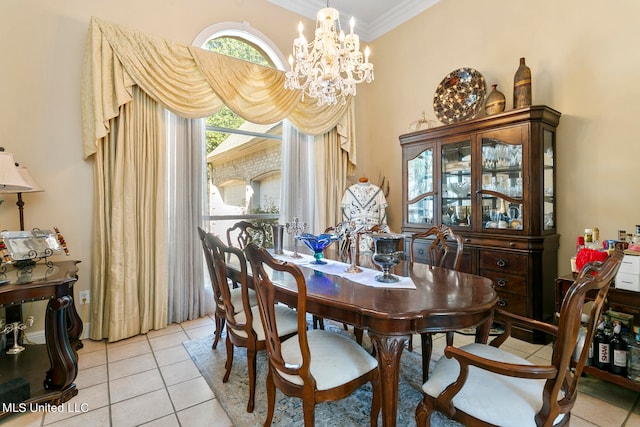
243, 232
228, 279
219, 313
439, 250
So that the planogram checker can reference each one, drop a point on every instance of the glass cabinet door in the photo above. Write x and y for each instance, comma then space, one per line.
548, 181
456, 184
502, 185
420, 195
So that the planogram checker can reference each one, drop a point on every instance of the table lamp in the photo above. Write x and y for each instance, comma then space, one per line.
10, 178
12, 181
34, 188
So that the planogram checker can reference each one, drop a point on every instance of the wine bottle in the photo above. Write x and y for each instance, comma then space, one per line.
633, 359
618, 352
601, 354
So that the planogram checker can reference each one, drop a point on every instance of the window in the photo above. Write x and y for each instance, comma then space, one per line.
244, 159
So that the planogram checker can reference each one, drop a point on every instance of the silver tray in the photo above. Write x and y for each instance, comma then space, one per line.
24, 245
459, 96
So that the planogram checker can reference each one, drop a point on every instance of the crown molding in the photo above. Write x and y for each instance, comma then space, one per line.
387, 16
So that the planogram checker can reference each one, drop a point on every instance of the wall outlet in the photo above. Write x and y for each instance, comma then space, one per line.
83, 297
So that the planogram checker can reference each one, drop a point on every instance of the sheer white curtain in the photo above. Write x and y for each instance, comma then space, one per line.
189, 298
298, 188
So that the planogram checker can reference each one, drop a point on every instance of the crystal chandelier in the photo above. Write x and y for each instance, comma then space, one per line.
329, 67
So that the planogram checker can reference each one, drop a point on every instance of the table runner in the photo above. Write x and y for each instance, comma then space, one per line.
337, 268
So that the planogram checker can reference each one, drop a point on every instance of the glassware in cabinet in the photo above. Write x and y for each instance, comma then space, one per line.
420, 188
456, 184
502, 183
548, 181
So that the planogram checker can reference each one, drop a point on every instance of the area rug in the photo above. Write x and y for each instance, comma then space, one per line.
351, 411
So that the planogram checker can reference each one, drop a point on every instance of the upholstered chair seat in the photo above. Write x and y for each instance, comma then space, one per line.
236, 299
497, 399
335, 359
286, 318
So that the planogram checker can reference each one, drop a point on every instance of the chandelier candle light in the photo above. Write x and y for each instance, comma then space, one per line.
329, 67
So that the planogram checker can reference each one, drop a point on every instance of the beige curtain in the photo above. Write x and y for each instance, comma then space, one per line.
129, 268
332, 171
122, 132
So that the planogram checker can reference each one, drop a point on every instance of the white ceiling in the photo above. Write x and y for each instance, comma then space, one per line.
373, 17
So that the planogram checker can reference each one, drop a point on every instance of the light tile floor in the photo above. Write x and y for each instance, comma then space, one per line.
150, 380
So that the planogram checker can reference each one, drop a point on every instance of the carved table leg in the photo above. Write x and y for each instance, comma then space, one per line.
388, 351
483, 330
74, 324
64, 366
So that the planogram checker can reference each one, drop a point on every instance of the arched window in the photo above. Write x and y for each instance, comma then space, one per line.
244, 159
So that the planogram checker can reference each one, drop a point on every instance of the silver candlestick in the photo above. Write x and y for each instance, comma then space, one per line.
16, 327
295, 228
352, 230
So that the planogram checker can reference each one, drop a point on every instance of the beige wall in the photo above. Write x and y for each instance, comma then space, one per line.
584, 62
583, 58
42, 43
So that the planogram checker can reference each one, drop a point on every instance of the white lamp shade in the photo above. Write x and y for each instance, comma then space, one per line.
10, 178
35, 188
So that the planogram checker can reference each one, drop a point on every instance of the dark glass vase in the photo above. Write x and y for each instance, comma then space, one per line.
387, 255
522, 86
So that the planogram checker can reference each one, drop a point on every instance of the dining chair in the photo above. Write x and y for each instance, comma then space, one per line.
219, 313
244, 328
440, 253
315, 365
482, 384
243, 232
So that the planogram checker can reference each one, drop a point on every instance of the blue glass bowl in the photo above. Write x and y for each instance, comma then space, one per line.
317, 244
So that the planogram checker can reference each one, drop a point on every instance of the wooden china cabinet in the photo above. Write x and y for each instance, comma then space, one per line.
492, 180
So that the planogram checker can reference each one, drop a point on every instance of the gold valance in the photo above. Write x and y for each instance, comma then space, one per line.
189, 81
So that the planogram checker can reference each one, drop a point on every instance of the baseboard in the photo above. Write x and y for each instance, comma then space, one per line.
38, 337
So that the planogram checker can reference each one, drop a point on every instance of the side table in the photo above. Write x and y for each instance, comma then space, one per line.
52, 281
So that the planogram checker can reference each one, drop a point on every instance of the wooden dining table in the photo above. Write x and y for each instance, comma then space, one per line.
443, 300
